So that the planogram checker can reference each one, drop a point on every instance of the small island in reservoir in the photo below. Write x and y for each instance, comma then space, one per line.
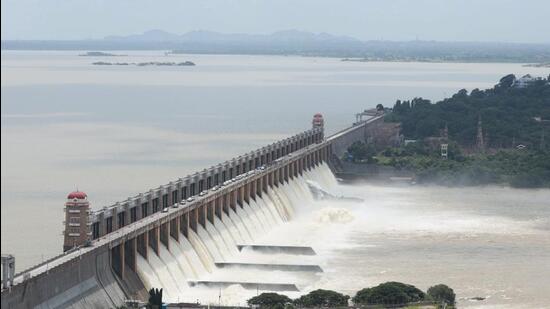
538, 65
99, 54
152, 63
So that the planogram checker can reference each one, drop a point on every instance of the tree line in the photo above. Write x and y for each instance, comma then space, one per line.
388, 294
515, 121
510, 115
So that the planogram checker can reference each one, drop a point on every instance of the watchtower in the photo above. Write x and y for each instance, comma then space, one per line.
318, 121
77, 210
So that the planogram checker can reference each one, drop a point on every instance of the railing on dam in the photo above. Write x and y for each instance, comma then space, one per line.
135, 208
202, 208
236, 181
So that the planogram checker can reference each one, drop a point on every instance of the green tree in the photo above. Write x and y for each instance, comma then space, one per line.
507, 81
322, 298
389, 293
269, 300
442, 293
507, 112
155, 298
359, 151
380, 107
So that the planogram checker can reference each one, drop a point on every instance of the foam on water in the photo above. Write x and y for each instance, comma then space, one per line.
334, 215
238, 222
248, 222
226, 237
193, 258
218, 241
162, 271
232, 229
214, 252
360, 244
186, 267
201, 250
199, 266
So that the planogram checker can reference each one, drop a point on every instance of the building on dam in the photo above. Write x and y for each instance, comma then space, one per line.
77, 225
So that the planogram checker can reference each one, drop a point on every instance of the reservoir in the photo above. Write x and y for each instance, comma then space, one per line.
116, 131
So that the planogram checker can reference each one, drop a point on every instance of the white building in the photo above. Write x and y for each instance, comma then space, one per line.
524, 81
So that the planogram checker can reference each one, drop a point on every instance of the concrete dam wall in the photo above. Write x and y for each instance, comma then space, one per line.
193, 244
192, 265
364, 132
84, 282
191, 268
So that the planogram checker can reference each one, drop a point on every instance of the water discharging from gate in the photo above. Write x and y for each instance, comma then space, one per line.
230, 258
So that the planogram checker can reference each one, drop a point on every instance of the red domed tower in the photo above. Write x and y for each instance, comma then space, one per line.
318, 121
77, 210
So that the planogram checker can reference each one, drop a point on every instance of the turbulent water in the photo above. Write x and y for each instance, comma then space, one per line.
492, 243
189, 262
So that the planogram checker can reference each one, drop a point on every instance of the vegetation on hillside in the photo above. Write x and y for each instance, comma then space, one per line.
515, 124
361, 152
516, 167
509, 115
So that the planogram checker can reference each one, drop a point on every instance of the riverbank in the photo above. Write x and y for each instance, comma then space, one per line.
515, 168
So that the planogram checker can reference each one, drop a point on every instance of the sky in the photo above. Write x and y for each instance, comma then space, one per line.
397, 20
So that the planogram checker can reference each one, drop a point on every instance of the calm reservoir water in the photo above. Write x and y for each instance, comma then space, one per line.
115, 131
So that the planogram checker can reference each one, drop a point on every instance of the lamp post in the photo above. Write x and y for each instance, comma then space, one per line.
542, 123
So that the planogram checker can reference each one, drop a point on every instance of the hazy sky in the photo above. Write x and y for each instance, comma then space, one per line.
449, 20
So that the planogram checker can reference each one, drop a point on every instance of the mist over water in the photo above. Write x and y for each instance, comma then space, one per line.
188, 271
487, 242
115, 132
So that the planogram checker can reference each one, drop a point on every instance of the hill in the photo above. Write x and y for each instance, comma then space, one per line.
515, 111
515, 124
295, 42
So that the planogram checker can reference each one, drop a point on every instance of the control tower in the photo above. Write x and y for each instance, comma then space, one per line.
318, 122
77, 210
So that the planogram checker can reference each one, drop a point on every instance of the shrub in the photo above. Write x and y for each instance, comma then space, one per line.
442, 293
269, 300
322, 298
389, 293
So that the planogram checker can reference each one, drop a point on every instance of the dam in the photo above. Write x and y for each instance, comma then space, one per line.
183, 236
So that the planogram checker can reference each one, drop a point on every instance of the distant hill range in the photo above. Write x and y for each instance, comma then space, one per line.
294, 42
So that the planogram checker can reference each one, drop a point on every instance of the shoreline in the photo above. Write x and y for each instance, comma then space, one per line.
342, 58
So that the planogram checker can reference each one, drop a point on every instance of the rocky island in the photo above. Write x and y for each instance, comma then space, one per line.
538, 65
99, 54
151, 63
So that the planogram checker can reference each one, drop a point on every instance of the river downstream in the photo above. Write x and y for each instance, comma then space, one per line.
486, 242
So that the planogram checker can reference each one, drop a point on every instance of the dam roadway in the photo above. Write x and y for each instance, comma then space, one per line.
105, 273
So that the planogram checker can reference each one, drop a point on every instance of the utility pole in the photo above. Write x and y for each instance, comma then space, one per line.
480, 143
445, 144
542, 123
542, 140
